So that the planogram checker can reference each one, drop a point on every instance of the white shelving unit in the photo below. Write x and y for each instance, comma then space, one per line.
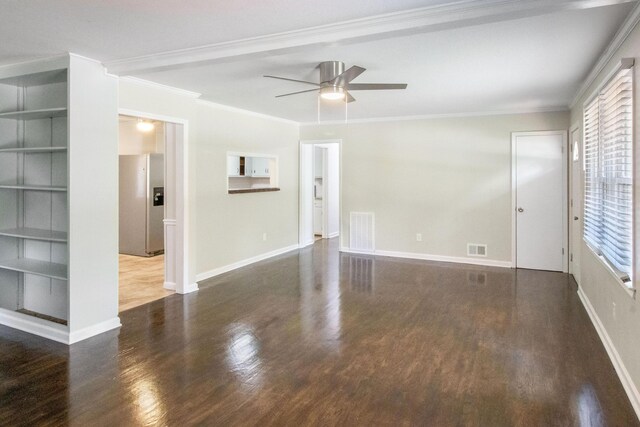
49, 110
45, 113
33, 158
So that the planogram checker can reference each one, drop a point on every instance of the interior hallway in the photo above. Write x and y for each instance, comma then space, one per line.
315, 337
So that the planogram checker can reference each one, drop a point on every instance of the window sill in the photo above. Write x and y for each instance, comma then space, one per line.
630, 291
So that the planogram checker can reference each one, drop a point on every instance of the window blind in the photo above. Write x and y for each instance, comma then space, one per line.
608, 167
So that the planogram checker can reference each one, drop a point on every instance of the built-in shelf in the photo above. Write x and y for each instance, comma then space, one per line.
32, 266
37, 79
252, 190
35, 234
34, 187
31, 149
34, 114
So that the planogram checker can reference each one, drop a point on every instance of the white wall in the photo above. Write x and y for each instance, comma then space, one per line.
132, 141
230, 227
446, 178
227, 228
93, 199
596, 283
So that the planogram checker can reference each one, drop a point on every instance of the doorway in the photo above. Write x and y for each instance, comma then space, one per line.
153, 235
319, 190
539, 190
141, 148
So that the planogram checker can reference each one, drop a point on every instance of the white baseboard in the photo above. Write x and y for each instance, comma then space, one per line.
52, 331
304, 245
217, 271
188, 289
621, 370
439, 258
332, 235
94, 330
170, 286
35, 326
352, 251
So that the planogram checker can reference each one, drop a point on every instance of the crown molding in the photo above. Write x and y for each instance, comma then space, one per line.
245, 112
196, 96
558, 109
457, 14
623, 33
154, 85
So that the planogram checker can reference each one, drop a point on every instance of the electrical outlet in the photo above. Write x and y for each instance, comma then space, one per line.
264, 237
419, 237
613, 311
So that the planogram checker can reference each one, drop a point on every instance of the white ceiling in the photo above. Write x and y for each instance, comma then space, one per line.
512, 64
524, 64
111, 29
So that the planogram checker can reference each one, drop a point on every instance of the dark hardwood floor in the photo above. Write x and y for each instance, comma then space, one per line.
315, 337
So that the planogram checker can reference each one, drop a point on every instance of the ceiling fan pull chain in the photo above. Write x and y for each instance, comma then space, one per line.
346, 110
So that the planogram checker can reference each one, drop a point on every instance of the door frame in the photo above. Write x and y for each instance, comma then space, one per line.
305, 213
180, 161
565, 194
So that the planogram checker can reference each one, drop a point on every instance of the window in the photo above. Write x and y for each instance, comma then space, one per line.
608, 165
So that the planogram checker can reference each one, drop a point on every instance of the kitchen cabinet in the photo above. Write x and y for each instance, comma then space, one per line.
260, 167
233, 165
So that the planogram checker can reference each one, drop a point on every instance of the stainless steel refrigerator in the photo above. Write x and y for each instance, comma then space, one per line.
142, 204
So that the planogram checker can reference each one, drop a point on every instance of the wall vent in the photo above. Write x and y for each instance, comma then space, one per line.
475, 249
361, 231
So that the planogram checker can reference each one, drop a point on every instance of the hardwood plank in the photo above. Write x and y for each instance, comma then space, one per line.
315, 337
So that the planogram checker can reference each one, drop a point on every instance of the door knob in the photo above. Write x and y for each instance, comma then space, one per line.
575, 218
520, 210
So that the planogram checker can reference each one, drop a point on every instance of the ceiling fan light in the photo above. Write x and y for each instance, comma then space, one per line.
332, 93
144, 126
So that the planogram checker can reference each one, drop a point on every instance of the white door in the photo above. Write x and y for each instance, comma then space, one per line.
575, 205
539, 195
317, 218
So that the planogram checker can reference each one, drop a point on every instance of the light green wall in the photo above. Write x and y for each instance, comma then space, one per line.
447, 178
230, 226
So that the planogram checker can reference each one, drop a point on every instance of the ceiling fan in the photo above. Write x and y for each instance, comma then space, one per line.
335, 82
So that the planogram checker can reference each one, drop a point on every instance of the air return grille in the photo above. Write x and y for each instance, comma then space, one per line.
361, 231
475, 249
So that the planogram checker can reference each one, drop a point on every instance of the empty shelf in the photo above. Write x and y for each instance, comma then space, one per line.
33, 187
35, 234
37, 79
32, 266
31, 149
34, 114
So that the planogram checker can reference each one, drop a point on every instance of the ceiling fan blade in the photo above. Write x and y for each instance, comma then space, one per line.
350, 98
376, 86
295, 93
347, 76
292, 80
